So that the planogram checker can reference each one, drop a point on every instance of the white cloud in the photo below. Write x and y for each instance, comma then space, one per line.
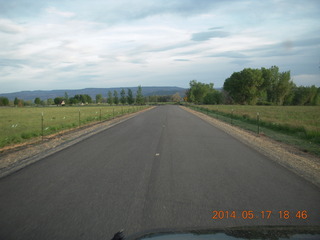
55, 11
8, 26
123, 43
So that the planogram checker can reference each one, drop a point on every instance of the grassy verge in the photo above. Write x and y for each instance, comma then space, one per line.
18, 125
295, 125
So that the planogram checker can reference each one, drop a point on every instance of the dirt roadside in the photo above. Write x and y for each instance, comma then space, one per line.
303, 164
14, 158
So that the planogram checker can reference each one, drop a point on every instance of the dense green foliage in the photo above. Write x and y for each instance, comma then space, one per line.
82, 98
110, 98
254, 86
123, 98
202, 93
19, 102
175, 98
4, 101
268, 87
99, 98
244, 87
58, 100
139, 97
115, 97
305, 96
130, 97
37, 101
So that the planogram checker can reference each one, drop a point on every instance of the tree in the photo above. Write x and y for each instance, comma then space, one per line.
74, 100
269, 77
244, 87
98, 98
110, 98
316, 100
50, 101
176, 97
277, 85
82, 98
213, 97
139, 97
66, 98
130, 97
165, 98
16, 101
4, 101
198, 91
37, 101
58, 100
282, 87
123, 98
115, 97
85, 98
305, 95
21, 103
288, 100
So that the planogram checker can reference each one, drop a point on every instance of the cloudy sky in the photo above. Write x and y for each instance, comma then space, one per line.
57, 44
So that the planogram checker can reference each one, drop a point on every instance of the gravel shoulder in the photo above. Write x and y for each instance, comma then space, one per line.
303, 164
16, 157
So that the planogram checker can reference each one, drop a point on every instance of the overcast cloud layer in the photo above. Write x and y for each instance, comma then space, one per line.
78, 44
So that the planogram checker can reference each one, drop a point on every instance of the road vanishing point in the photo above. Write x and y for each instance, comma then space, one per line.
164, 168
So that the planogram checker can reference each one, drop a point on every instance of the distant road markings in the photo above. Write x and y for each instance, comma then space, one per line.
157, 154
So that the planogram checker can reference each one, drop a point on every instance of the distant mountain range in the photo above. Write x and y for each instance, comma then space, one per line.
44, 95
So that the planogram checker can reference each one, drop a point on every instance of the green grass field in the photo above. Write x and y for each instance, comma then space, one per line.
296, 125
307, 117
20, 124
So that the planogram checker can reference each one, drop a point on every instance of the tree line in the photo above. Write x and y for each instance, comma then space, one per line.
112, 98
4, 101
255, 86
203, 93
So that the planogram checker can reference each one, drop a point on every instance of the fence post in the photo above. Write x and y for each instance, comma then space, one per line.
258, 122
79, 118
42, 126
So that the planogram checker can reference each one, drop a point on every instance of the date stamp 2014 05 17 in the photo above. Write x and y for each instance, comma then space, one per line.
266, 214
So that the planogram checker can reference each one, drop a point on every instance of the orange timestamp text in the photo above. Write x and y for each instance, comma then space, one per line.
266, 214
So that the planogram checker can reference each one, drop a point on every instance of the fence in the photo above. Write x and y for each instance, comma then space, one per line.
293, 136
20, 124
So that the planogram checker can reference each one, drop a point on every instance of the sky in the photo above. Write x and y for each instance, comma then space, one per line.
58, 44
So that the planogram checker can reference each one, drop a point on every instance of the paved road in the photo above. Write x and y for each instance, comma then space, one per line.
161, 169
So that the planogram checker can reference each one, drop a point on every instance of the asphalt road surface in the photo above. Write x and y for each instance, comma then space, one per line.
164, 168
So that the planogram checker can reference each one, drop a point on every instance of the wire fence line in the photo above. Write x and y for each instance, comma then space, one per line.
20, 124
298, 138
